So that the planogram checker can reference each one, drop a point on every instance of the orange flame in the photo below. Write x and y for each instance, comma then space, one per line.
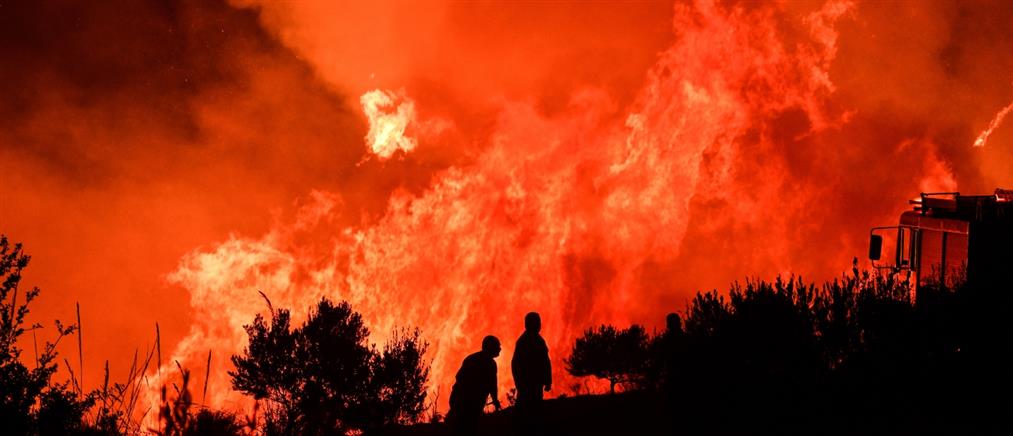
558, 214
389, 115
597, 161
983, 136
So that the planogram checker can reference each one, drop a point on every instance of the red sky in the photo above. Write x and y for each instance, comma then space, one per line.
596, 162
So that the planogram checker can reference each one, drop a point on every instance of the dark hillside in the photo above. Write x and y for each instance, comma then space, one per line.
632, 413
855, 356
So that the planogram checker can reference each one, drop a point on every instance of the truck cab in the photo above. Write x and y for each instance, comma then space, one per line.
949, 238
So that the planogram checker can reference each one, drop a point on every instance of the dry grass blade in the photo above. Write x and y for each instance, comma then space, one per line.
133, 368
35, 345
105, 387
268, 300
123, 391
137, 386
14, 304
73, 378
80, 349
207, 376
158, 344
146, 411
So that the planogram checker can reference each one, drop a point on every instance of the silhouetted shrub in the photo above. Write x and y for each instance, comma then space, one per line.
322, 377
618, 356
854, 355
177, 415
30, 402
174, 412
209, 422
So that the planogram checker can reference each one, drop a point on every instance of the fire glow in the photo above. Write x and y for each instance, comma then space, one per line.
980, 141
388, 115
454, 167
558, 214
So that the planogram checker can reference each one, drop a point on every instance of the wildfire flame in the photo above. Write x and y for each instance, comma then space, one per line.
454, 165
558, 214
980, 141
388, 114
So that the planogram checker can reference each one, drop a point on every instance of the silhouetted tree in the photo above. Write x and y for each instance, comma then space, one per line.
30, 403
605, 352
323, 377
399, 379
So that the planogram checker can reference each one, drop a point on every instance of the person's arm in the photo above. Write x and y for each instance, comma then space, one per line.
494, 388
515, 361
495, 398
547, 363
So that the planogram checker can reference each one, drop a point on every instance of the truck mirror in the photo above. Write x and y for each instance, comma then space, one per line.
875, 247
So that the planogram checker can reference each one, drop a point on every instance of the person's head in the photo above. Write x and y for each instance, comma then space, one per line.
673, 323
532, 322
490, 345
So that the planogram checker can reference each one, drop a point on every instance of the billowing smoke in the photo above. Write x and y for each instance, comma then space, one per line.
455, 166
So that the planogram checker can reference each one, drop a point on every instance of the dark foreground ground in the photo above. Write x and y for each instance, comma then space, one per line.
933, 409
635, 413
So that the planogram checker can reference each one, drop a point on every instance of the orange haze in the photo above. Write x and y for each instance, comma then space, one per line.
453, 165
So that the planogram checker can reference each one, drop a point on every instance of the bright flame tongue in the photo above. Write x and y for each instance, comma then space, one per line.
558, 214
388, 114
980, 141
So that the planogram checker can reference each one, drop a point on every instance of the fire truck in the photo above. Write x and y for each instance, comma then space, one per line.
949, 238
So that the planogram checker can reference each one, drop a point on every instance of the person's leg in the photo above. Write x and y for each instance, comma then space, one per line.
529, 394
463, 421
528, 398
465, 424
537, 412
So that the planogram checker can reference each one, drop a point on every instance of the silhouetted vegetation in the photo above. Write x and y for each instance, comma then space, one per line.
857, 355
321, 378
33, 403
324, 378
617, 355
30, 401
176, 415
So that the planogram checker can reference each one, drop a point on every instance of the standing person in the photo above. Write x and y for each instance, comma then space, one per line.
475, 382
532, 372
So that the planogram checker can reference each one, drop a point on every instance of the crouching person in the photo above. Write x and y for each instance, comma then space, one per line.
475, 382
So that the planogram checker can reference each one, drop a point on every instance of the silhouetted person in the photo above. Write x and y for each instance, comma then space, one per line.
532, 372
673, 324
671, 350
475, 382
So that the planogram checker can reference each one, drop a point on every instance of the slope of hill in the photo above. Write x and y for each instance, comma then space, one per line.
634, 413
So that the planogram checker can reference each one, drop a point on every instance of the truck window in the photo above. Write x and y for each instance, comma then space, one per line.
930, 263
942, 257
956, 258
905, 247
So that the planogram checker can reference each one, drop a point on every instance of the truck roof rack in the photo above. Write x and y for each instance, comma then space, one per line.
1003, 195
971, 207
936, 201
